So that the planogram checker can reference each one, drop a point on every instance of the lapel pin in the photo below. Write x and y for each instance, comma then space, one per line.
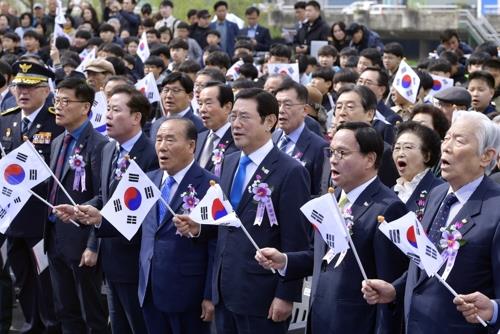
14, 124
38, 126
265, 170
365, 203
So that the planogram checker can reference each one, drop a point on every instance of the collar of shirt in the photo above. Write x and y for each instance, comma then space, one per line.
353, 195
222, 130
78, 131
405, 188
182, 113
129, 144
465, 192
260, 154
253, 27
295, 134
31, 116
177, 176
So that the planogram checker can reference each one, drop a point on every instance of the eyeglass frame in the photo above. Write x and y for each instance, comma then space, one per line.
337, 153
66, 102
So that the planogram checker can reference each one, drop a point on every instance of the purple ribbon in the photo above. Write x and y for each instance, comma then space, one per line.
79, 179
265, 204
217, 169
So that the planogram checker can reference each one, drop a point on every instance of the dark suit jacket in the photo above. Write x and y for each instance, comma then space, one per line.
385, 130
72, 240
227, 140
387, 172
245, 287
177, 269
337, 304
8, 102
262, 37
428, 183
232, 31
388, 113
427, 303
310, 151
120, 257
44, 125
189, 115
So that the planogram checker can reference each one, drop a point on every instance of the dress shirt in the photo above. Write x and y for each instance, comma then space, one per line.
405, 189
178, 179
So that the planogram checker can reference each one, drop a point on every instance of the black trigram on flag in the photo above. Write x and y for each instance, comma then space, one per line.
204, 212
22, 157
17, 200
33, 174
133, 177
429, 251
6, 191
317, 216
118, 205
3, 212
395, 236
98, 117
149, 192
330, 240
414, 257
131, 220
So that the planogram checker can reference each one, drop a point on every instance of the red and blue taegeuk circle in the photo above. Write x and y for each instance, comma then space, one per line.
410, 236
132, 198
406, 81
436, 85
218, 209
14, 174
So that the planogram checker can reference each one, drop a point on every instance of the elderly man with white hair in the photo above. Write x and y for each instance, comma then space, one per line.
467, 203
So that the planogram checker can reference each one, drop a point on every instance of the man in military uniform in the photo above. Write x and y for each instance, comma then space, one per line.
32, 119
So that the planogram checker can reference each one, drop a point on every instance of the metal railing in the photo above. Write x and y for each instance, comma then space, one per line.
480, 28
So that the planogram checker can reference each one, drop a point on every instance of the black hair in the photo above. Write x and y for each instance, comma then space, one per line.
346, 75
219, 59
83, 34
189, 66
154, 32
299, 89
249, 71
179, 43
83, 91
299, 5
394, 48
155, 61
33, 34
382, 78
368, 139
167, 3
314, 4
160, 49
225, 93
213, 32
373, 55
367, 97
439, 65
439, 121
478, 58
182, 25
105, 27
306, 60
448, 34
328, 50
489, 47
214, 73
112, 48
484, 76
137, 102
266, 102
182, 78
431, 143
324, 73
220, 3
280, 50
348, 51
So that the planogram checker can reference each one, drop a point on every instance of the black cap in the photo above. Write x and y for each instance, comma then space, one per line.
455, 95
29, 73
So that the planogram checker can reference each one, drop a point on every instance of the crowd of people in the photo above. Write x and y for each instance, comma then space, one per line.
273, 141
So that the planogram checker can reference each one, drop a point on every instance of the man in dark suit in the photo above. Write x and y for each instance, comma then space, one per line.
128, 111
175, 272
468, 202
228, 30
259, 36
248, 298
32, 119
216, 101
293, 137
176, 96
7, 99
72, 250
336, 302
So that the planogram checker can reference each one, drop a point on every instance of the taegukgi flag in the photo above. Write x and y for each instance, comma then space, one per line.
148, 87
292, 70
439, 84
143, 47
98, 111
214, 209
131, 202
406, 82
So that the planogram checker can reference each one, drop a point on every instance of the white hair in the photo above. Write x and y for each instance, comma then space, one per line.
486, 131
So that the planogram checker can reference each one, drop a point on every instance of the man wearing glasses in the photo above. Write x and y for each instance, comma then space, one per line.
32, 119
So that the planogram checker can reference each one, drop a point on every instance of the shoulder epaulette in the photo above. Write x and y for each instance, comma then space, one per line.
51, 110
8, 111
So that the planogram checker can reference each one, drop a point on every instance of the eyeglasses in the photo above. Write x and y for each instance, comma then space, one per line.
338, 154
175, 91
244, 118
63, 102
288, 105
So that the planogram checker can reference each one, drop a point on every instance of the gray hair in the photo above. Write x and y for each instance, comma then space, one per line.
486, 131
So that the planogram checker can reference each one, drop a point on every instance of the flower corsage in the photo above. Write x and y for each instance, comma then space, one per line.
77, 164
451, 241
262, 195
218, 158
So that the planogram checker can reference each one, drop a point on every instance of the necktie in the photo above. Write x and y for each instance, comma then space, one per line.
59, 166
284, 143
208, 149
441, 218
25, 125
165, 194
239, 181
343, 201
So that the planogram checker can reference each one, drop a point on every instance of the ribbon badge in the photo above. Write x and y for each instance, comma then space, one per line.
349, 224
190, 201
262, 195
218, 158
77, 164
451, 241
121, 167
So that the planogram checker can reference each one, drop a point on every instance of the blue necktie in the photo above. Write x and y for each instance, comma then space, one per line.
239, 181
165, 194
441, 218
284, 143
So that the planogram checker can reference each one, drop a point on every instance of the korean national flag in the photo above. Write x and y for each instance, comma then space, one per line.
292, 70
143, 47
10, 205
97, 114
214, 209
406, 82
439, 84
148, 87
131, 202
87, 57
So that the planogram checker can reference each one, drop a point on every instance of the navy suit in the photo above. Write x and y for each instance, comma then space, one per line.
386, 131
189, 115
388, 113
9, 101
428, 304
241, 286
77, 294
310, 151
175, 272
337, 304
26, 230
227, 140
262, 37
232, 31
428, 182
120, 257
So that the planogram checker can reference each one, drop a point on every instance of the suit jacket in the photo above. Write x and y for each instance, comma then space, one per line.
428, 304
41, 133
8, 102
337, 304
388, 113
232, 31
227, 140
310, 152
189, 115
245, 287
72, 240
428, 183
386, 131
387, 172
120, 257
177, 269
262, 37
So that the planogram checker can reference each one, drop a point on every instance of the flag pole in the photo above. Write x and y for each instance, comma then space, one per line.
50, 205
52, 173
253, 242
349, 239
455, 294
172, 212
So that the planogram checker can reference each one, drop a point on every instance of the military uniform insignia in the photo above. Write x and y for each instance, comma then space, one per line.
51, 110
38, 126
8, 111
42, 138
8, 133
25, 67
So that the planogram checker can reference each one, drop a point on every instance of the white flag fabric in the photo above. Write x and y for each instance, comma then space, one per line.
60, 19
59, 32
143, 48
214, 209
430, 257
88, 56
98, 112
41, 259
10, 205
439, 84
292, 70
148, 87
406, 82
325, 216
234, 71
131, 202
